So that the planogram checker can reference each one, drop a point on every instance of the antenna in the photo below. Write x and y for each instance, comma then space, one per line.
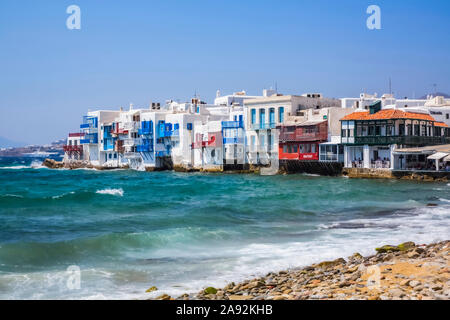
390, 86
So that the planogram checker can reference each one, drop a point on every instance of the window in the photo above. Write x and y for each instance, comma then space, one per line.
285, 149
294, 149
271, 115
447, 116
344, 133
262, 116
253, 111
281, 114
313, 148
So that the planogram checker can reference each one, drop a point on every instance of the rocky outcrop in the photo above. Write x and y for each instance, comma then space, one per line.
53, 164
406, 271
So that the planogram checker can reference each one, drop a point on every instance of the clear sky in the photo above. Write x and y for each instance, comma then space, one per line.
141, 50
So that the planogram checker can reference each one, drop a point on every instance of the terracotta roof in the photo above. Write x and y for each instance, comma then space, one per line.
388, 114
440, 124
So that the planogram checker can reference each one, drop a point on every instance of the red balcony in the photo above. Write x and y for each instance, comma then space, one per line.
76, 135
117, 130
304, 132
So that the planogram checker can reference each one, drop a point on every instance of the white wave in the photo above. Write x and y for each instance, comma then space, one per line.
15, 167
113, 192
34, 165
62, 195
12, 195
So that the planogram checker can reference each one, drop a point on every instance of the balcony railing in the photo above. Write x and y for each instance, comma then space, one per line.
232, 124
69, 149
405, 140
145, 131
76, 134
130, 142
263, 126
130, 126
302, 136
144, 148
91, 138
89, 122
235, 140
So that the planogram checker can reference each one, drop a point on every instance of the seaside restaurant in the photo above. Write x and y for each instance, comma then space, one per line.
371, 138
430, 158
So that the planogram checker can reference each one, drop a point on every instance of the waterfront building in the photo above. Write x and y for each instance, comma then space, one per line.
73, 150
264, 115
429, 158
92, 134
371, 137
233, 133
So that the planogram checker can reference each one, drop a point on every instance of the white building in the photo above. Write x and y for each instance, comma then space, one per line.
264, 115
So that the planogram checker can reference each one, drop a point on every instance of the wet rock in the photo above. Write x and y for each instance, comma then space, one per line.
151, 289
387, 248
210, 290
164, 297
52, 164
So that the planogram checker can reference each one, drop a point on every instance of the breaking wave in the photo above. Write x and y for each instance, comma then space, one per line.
112, 192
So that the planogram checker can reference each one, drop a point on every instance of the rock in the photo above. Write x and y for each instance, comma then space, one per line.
387, 248
276, 298
356, 257
52, 164
414, 283
210, 290
238, 297
413, 254
329, 264
164, 297
397, 293
151, 289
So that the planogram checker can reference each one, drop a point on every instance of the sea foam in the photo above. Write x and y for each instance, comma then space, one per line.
113, 192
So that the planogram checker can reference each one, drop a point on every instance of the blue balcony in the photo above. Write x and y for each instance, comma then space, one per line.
91, 138
89, 122
146, 128
235, 140
232, 124
144, 148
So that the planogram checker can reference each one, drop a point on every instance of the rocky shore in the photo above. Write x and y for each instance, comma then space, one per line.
404, 272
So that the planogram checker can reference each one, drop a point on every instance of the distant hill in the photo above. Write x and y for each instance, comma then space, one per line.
446, 96
6, 143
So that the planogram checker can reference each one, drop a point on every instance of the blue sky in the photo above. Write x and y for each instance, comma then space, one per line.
140, 51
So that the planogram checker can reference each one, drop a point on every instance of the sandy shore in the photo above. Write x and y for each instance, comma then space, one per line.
407, 271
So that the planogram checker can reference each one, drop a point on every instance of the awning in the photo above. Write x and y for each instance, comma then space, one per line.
447, 158
438, 156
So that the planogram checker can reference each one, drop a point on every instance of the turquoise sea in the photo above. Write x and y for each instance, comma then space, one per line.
128, 231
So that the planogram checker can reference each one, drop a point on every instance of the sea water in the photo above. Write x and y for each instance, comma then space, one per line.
127, 231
